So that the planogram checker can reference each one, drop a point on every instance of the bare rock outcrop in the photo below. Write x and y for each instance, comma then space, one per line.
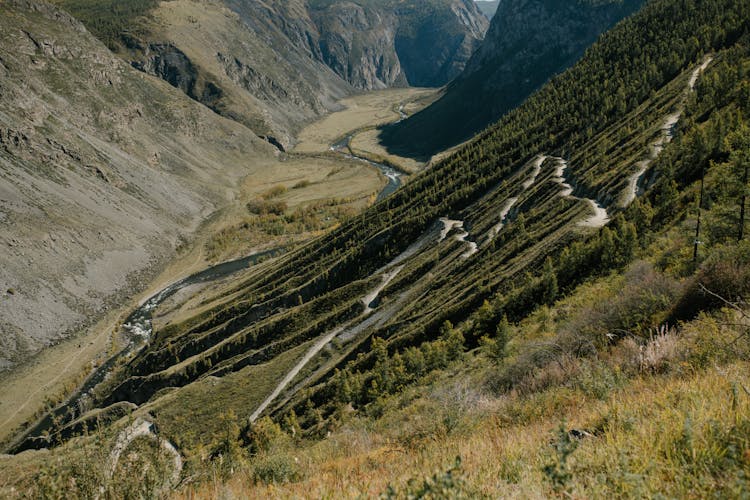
103, 172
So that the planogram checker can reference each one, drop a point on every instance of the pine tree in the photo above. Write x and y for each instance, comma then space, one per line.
549, 282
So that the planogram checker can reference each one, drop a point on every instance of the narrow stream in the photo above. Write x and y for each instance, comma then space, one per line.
138, 325
138, 328
393, 175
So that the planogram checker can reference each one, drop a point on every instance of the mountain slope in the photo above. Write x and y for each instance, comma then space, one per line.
240, 60
528, 42
104, 171
501, 250
274, 66
304, 295
424, 43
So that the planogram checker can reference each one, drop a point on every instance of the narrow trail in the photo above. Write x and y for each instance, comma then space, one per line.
450, 224
371, 316
365, 320
666, 136
600, 217
315, 349
362, 321
536, 169
559, 178
504, 211
142, 427
473, 247
368, 299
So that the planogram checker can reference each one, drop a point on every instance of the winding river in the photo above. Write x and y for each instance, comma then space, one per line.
138, 328
393, 175
138, 325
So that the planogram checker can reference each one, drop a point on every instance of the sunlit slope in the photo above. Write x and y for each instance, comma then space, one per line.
539, 172
104, 171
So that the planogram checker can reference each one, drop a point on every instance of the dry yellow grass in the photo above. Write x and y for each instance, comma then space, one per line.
362, 111
367, 144
637, 450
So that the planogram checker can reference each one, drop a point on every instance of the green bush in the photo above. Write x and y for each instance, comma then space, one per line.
448, 484
265, 207
275, 469
723, 276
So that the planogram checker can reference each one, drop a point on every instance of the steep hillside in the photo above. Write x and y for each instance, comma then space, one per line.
104, 171
528, 42
276, 65
555, 267
244, 60
423, 43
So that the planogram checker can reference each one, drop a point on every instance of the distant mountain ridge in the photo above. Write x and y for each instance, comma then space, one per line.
276, 65
382, 44
528, 42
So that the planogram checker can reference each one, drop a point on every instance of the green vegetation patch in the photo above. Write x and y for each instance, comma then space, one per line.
191, 415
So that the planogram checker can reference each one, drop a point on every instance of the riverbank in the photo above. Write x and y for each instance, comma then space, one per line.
307, 179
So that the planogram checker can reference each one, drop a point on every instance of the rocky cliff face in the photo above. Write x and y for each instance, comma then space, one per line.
419, 43
103, 172
358, 43
436, 39
528, 42
276, 65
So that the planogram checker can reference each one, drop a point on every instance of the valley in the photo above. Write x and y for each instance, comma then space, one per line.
357, 125
250, 255
310, 175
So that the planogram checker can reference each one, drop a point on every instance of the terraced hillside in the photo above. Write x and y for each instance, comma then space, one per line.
478, 226
519, 248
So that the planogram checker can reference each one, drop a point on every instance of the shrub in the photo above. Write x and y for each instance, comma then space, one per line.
558, 471
661, 350
595, 379
448, 484
724, 275
711, 340
727, 273
264, 207
263, 435
495, 347
539, 366
274, 192
275, 469
643, 302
